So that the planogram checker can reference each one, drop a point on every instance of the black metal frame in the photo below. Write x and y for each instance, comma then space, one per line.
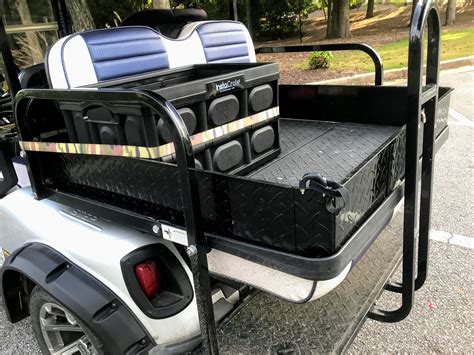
332, 47
420, 97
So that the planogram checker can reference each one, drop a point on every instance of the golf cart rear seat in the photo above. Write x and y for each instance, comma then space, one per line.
94, 56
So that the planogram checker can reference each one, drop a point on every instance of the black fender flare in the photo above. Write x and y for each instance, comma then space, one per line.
90, 300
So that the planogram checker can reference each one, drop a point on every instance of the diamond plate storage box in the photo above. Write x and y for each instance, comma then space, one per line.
206, 97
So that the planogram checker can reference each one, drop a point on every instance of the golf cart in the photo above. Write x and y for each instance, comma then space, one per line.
170, 177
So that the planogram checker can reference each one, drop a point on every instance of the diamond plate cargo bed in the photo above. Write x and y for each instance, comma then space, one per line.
268, 325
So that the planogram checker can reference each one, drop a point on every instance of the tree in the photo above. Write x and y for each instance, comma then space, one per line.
111, 12
338, 19
370, 9
80, 14
450, 13
32, 40
161, 4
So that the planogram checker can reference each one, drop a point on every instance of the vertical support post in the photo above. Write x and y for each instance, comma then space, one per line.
197, 250
233, 10
9, 66
430, 111
419, 97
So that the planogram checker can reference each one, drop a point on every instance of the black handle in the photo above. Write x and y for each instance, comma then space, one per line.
332, 47
331, 190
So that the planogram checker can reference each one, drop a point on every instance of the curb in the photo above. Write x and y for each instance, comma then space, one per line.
395, 74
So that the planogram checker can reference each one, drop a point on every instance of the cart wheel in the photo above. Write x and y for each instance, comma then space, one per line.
57, 330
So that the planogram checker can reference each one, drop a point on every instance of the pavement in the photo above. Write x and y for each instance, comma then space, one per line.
442, 319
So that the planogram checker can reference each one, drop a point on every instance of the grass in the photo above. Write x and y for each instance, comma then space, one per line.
454, 44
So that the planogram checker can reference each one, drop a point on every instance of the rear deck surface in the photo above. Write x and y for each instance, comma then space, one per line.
331, 149
268, 325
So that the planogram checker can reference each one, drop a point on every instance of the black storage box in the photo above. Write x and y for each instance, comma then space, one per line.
206, 96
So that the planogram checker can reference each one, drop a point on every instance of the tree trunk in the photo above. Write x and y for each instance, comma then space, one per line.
80, 15
338, 23
450, 13
370, 9
328, 26
248, 10
35, 51
161, 4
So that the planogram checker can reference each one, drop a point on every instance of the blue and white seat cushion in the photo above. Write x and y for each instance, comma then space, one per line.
94, 56
90, 57
222, 41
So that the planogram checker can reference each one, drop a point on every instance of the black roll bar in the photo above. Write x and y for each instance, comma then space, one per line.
422, 109
378, 64
197, 249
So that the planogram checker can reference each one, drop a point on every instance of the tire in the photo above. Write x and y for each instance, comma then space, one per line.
48, 315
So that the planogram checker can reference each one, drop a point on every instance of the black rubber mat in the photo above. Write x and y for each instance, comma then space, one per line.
269, 325
333, 150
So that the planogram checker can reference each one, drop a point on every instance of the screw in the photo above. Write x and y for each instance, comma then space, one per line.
23, 154
156, 229
191, 250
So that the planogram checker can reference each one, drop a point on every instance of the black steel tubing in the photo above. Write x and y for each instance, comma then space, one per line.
9, 67
425, 11
332, 47
187, 177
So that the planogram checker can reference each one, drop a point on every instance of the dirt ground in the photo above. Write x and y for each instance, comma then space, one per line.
389, 24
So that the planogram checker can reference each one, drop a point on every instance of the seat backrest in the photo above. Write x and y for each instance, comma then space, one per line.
90, 57
222, 41
94, 56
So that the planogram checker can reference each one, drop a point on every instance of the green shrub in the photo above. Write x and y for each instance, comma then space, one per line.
319, 60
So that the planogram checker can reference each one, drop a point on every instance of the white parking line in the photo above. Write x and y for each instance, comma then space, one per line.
461, 119
451, 238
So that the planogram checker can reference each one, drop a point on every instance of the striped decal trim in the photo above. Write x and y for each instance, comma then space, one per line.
130, 151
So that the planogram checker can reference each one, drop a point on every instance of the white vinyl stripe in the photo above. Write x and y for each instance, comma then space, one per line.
453, 239
78, 62
55, 66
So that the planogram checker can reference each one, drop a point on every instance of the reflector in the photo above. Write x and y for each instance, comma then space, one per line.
148, 277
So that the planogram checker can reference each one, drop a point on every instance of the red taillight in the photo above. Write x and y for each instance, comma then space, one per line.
148, 277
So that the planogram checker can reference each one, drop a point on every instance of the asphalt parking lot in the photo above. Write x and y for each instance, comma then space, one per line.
442, 318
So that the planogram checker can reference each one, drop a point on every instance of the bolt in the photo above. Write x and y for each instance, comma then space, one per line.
156, 229
23, 154
191, 250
